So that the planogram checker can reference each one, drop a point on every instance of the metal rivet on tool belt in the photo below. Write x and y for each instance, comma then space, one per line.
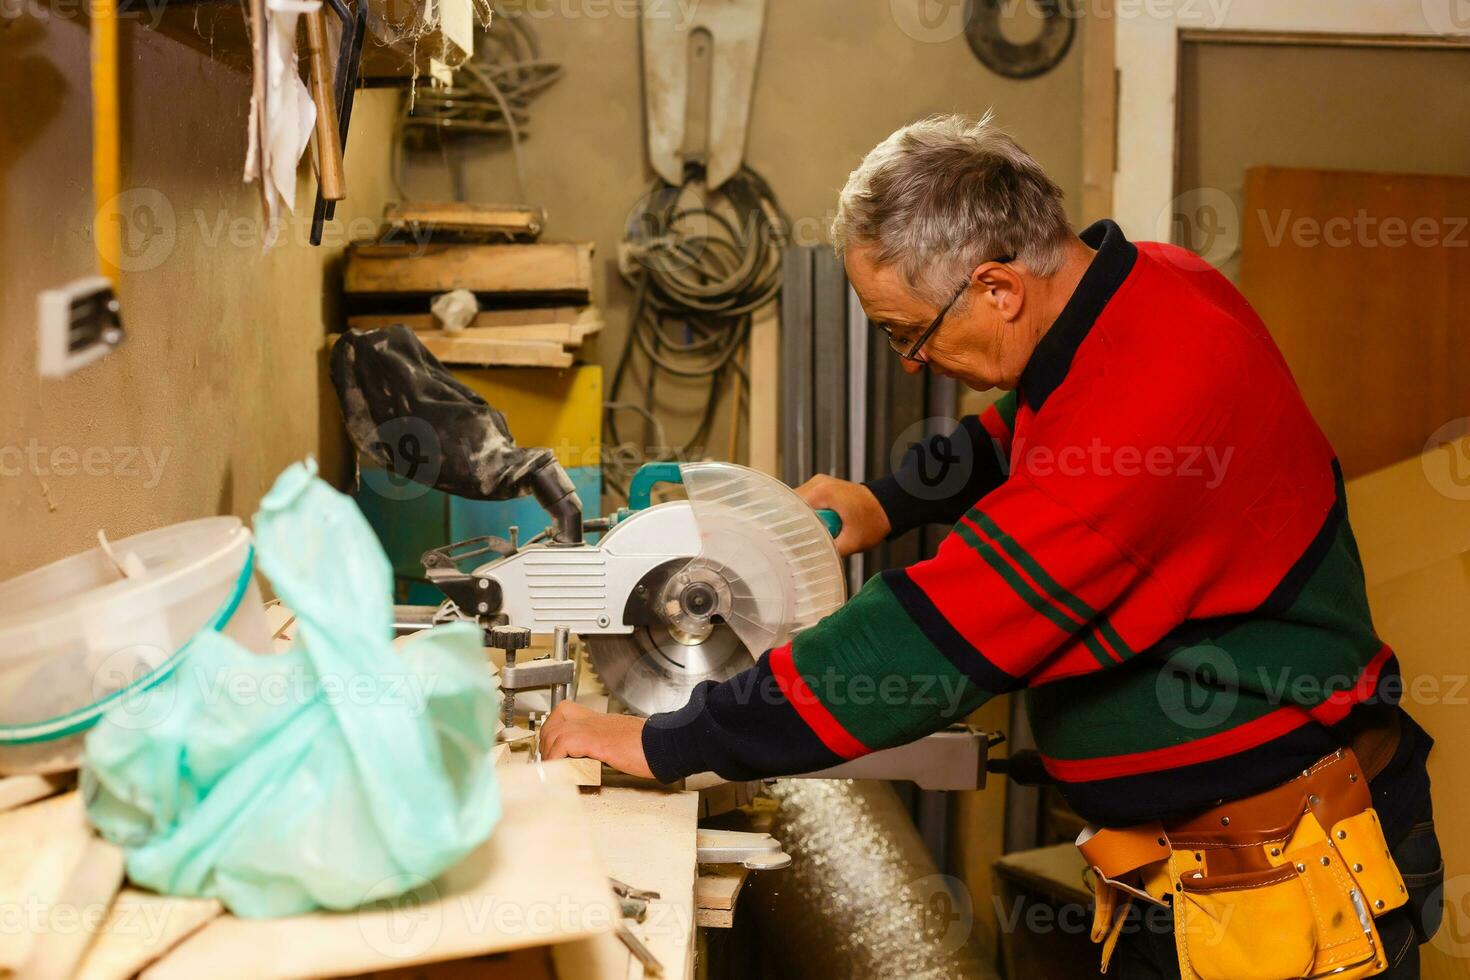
1275, 852
1178, 887
1401, 888
1378, 904
1163, 842
1342, 835
1314, 800
1224, 821
1326, 861
1198, 856
1352, 777
1301, 868
1357, 867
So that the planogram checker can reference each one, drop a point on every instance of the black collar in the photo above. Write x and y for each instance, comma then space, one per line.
1052, 358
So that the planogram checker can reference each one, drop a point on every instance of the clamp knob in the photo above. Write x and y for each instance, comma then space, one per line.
510, 637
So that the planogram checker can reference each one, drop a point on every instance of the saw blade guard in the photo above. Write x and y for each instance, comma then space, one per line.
775, 553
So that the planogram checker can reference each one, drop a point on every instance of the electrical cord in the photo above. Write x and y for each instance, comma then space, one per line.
700, 263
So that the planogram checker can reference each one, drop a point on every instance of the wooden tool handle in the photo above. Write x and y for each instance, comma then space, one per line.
328, 143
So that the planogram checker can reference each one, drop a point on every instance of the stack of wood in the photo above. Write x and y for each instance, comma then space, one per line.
534, 297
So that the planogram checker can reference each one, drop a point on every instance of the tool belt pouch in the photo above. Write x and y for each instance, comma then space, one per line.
1254, 903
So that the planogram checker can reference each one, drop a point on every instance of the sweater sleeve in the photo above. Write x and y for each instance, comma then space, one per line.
1018, 584
945, 474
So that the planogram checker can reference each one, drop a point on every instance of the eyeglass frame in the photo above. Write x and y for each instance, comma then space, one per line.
917, 345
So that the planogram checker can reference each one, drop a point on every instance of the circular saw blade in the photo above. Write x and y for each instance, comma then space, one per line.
652, 669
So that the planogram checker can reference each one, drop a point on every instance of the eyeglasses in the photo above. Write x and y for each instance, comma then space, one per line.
910, 352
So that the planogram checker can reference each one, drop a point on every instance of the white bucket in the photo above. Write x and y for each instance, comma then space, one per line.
75, 633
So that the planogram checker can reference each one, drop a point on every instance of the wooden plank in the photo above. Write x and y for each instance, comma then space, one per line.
646, 839
765, 390
456, 348
716, 891
451, 348
17, 791
140, 928
1363, 279
577, 772
538, 880
425, 323
53, 866
517, 269
459, 218
562, 325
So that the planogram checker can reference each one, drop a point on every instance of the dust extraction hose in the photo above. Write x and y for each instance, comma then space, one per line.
862, 897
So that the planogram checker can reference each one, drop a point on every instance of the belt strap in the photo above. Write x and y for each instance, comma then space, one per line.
1334, 788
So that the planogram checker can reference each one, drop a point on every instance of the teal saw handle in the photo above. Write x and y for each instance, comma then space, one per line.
650, 475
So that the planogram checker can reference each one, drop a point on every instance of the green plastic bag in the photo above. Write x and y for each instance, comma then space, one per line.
342, 772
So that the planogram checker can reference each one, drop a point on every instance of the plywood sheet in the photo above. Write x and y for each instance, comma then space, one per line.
1364, 279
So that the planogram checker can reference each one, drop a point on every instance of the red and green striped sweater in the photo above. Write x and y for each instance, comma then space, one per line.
1150, 538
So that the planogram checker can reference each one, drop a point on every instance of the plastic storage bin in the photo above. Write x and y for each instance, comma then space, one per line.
76, 635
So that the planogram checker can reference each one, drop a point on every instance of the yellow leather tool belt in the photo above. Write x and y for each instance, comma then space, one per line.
1279, 885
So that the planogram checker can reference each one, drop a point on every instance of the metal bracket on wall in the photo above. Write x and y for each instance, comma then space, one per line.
698, 77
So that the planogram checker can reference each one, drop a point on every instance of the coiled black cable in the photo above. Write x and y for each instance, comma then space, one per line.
700, 263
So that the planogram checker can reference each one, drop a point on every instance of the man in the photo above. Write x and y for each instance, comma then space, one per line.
1150, 539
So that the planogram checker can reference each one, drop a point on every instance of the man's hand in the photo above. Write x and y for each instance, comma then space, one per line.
573, 731
864, 524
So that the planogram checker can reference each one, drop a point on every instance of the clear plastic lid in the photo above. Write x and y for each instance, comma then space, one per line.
778, 558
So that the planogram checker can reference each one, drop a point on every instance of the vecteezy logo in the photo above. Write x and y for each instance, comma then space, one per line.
141, 703
1205, 221
1198, 687
946, 914
1447, 17
1446, 459
409, 449
931, 21
406, 922
933, 458
139, 226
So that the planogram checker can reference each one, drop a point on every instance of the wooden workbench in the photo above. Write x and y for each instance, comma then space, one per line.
534, 899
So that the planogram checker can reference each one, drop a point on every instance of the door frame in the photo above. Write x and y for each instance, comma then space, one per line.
1149, 36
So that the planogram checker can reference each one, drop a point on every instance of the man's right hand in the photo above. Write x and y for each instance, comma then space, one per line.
864, 524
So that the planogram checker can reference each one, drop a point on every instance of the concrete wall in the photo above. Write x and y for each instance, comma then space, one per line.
835, 78
218, 386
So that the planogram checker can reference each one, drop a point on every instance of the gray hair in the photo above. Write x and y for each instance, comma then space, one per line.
942, 195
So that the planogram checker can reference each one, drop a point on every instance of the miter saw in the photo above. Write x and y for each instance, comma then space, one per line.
672, 594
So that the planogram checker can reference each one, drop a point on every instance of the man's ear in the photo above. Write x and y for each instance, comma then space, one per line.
1001, 287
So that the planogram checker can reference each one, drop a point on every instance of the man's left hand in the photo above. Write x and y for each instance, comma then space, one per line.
573, 731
